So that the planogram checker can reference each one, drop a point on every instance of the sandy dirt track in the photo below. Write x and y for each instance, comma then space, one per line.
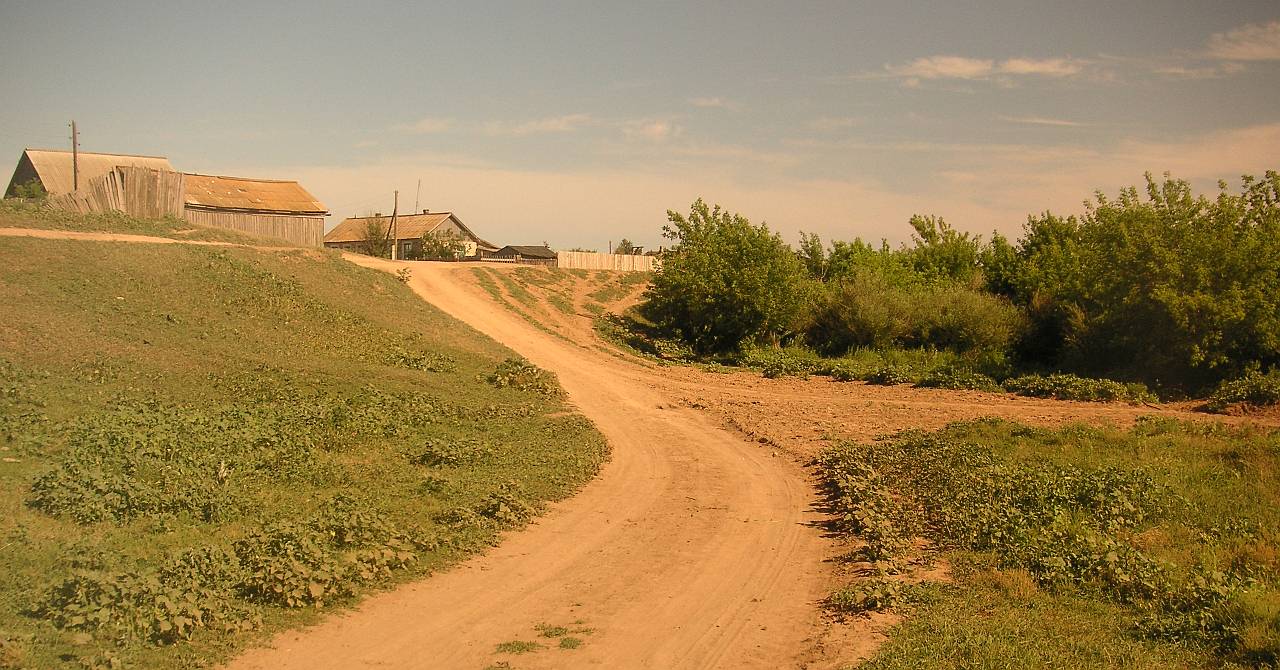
694, 548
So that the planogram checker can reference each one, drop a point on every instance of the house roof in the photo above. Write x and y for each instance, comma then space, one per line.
527, 251
253, 195
408, 227
55, 170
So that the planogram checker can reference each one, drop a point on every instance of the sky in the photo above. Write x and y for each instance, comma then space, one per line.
581, 123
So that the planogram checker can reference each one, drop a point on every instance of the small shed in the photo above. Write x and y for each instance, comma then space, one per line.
410, 228
54, 171
266, 207
527, 254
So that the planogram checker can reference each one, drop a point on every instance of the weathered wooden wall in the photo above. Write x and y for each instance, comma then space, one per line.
137, 191
586, 260
307, 231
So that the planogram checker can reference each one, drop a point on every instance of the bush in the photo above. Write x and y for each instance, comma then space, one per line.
725, 283
959, 379
520, 374
870, 311
1173, 287
1071, 387
1071, 527
1254, 389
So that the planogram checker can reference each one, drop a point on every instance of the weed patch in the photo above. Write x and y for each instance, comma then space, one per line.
1254, 389
1071, 387
1071, 509
285, 437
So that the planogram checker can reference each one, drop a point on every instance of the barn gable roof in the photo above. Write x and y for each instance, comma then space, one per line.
408, 227
527, 251
250, 195
54, 167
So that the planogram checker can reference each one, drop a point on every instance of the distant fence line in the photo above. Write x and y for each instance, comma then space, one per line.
141, 192
589, 260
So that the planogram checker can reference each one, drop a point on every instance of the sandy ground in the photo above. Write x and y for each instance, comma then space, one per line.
698, 546
694, 548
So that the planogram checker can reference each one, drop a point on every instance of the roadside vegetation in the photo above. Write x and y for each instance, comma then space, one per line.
1166, 290
32, 213
1077, 547
203, 445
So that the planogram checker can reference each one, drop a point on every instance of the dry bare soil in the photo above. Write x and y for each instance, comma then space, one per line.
700, 545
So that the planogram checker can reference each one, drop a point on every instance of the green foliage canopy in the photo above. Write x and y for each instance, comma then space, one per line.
725, 282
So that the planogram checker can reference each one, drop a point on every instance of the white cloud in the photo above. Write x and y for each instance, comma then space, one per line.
656, 131
972, 69
555, 124
832, 123
715, 103
429, 126
1251, 42
1041, 121
1047, 67
944, 67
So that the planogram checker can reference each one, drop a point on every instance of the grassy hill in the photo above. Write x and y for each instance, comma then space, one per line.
203, 445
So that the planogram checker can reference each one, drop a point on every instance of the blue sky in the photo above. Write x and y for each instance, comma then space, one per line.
581, 123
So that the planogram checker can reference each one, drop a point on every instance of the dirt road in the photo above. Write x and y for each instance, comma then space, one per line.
693, 548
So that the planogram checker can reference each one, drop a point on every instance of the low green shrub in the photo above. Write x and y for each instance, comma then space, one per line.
453, 452
870, 311
1255, 389
959, 379
520, 374
1072, 526
872, 595
1071, 387
891, 375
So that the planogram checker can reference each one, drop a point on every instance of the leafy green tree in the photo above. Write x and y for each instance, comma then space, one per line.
1172, 288
446, 246
813, 255
725, 281
942, 253
377, 239
625, 247
30, 190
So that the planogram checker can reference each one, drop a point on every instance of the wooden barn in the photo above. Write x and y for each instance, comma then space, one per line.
526, 254
350, 234
270, 208
53, 171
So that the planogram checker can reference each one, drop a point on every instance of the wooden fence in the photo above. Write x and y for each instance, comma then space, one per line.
141, 192
307, 231
588, 260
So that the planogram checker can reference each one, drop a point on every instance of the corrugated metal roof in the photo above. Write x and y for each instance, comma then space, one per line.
54, 167
408, 227
251, 195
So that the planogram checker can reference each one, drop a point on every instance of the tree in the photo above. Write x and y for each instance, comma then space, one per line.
625, 247
377, 238
813, 255
31, 190
725, 282
446, 246
941, 252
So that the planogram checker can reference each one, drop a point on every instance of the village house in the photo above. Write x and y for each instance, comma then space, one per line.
350, 235
280, 209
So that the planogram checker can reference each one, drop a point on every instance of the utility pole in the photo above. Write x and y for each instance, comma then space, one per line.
75, 157
416, 194
395, 239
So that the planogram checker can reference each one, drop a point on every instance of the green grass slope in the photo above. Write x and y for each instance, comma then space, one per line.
1080, 547
204, 445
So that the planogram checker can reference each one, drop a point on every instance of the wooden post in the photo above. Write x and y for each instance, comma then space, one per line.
75, 157
395, 238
